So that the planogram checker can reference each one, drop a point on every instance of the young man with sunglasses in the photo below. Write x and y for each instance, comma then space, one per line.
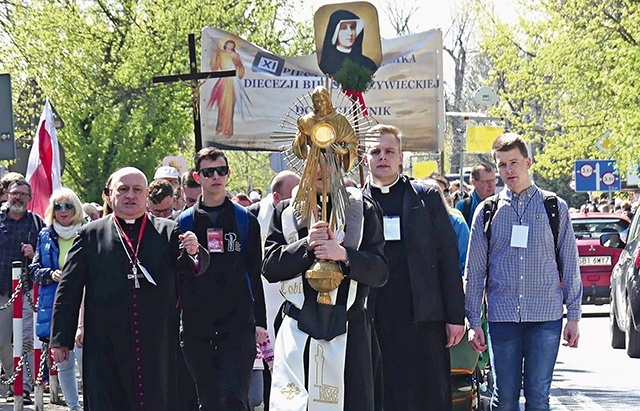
19, 230
223, 311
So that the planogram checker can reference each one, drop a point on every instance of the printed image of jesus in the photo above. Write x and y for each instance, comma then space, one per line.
227, 93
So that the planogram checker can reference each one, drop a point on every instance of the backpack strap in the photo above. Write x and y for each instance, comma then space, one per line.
550, 201
185, 220
37, 222
242, 221
466, 210
488, 211
422, 192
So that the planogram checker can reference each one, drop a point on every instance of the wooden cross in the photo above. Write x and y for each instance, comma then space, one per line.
194, 76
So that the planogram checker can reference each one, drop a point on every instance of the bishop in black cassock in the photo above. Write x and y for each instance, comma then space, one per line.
131, 324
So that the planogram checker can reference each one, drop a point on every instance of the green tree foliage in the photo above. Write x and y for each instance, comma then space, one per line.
250, 170
566, 74
95, 60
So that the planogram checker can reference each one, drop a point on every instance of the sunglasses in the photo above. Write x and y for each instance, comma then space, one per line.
67, 206
208, 171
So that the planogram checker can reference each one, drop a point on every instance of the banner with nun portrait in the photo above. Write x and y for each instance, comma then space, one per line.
242, 112
347, 31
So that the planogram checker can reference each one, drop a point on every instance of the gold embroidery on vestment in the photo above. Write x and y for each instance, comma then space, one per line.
327, 393
290, 391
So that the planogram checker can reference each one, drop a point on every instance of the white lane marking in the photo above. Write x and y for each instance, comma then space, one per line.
556, 405
587, 402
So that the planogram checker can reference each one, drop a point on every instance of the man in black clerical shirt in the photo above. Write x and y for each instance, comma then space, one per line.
223, 312
127, 266
419, 313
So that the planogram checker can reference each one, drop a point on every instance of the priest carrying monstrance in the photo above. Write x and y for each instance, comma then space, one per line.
325, 249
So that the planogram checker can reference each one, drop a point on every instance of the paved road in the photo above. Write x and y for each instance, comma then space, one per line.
4, 406
594, 376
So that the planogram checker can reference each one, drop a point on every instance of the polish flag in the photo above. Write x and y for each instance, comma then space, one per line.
43, 170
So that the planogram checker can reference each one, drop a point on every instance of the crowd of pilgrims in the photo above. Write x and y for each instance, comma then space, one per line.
179, 295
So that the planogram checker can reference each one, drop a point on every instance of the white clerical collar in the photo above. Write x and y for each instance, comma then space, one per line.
130, 221
385, 189
343, 49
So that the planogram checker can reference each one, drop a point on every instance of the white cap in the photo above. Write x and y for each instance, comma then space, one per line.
254, 196
166, 172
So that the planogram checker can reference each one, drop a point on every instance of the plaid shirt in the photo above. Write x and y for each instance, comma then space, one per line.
12, 233
523, 284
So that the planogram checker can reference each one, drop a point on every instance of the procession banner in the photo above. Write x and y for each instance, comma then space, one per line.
242, 112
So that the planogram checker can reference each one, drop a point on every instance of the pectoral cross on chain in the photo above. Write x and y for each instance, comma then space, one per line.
134, 276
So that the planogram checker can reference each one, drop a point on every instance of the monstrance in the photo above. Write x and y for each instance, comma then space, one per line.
325, 143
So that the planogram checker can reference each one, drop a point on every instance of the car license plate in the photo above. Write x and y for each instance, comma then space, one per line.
596, 260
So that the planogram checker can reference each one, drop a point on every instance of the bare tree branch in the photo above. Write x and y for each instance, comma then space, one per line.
399, 16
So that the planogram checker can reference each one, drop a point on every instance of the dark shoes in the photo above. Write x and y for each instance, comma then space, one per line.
26, 398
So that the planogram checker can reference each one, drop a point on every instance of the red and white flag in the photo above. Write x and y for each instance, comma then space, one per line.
43, 170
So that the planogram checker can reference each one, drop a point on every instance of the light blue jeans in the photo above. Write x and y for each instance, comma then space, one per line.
523, 355
69, 382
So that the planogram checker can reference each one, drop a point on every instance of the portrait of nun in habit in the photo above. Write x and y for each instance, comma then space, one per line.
343, 39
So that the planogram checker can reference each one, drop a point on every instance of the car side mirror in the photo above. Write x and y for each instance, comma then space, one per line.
611, 240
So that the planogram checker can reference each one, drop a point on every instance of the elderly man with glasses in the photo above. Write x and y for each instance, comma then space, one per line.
483, 179
18, 237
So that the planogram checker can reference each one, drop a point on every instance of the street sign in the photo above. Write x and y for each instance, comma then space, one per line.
596, 175
277, 162
605, 142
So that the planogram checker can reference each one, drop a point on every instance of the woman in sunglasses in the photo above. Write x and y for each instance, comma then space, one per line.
63, 217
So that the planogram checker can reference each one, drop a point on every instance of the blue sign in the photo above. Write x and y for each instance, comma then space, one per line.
596, 175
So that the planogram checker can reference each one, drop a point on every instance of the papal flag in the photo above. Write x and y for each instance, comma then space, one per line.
43, 170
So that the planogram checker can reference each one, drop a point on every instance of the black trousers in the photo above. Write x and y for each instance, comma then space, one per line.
221, 367
416, 367
187, 395
266, 380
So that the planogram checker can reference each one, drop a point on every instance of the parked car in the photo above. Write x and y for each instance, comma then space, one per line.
596, 261
624, 309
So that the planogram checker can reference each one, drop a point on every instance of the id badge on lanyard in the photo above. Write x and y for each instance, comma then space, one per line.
519, 236
215, 242
391, 226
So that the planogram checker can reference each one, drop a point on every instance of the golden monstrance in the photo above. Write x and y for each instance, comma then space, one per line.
327, 143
